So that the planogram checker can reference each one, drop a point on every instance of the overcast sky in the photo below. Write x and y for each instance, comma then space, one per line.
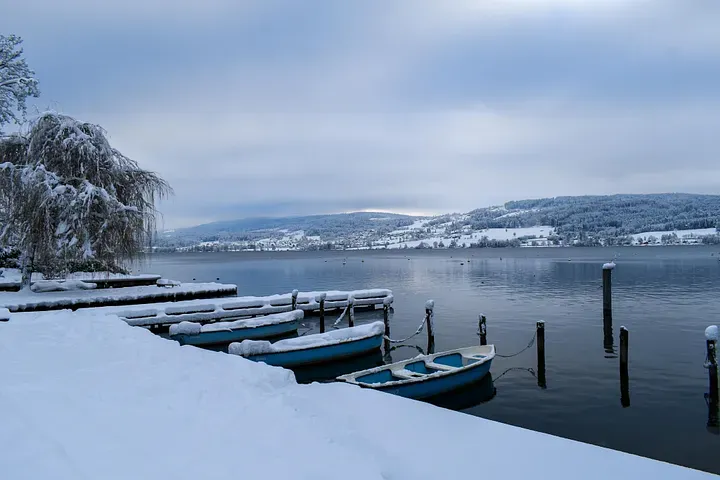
277, 107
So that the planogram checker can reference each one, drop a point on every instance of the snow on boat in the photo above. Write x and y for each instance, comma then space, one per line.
314, 349
191, 333
427, 375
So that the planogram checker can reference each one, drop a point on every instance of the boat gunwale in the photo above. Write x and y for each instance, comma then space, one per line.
269, 324
341, 342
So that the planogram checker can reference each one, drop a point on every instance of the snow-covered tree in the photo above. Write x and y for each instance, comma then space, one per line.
67, 197
17, 81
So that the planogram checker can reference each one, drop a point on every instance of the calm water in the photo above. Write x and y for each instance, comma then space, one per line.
664, 296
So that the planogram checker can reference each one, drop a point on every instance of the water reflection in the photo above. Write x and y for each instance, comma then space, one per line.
469, 396
329, 371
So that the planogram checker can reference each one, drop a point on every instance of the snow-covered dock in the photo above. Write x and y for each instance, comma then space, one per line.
11, 279
212, 310
30, 301
85, 396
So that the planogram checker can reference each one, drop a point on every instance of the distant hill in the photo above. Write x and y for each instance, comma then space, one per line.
328, 227
580, 220
611, 215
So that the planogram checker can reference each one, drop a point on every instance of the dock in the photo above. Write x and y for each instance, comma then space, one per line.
219, 309
12, 282
73, 300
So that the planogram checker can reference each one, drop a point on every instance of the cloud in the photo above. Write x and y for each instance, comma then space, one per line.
278, 107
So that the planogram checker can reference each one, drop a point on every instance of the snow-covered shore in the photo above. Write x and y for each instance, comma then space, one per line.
87, 396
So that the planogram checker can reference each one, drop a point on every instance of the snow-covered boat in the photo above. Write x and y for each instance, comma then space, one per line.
314, 349
269, 326
427, 375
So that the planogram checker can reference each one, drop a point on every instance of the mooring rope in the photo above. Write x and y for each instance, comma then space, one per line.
529, 370
417, 332
342, 315
529, 345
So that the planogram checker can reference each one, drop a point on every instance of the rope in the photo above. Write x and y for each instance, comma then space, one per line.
529, 345
417, 332
529, 370
342, 315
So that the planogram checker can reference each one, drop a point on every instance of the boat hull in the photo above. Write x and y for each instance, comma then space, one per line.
237, 335
320, 354
431, 387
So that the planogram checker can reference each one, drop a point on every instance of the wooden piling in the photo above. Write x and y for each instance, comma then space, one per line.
429, 307
711, 337
482, 329
294, 299
540, 342
607, 290
351, 311
321, 301
386, 321
624, 377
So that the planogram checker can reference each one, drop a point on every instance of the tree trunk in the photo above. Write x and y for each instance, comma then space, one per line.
27, 269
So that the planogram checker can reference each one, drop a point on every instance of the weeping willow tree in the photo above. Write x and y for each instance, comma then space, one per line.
68, 198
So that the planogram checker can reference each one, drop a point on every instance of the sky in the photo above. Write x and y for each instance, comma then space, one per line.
284, 107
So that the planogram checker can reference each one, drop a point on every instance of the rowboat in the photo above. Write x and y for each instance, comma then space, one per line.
426, 376
314, 349
269, 326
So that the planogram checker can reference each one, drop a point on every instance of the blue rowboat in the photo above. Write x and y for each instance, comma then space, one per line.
426, 376
269, 326
314, 349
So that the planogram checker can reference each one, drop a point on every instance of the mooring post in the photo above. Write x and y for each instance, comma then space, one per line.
711, 338
482, 329
321, 300
429, 307
4, 315
386, 320
624, 378
540, 342
351, 311
607, 290
294, 299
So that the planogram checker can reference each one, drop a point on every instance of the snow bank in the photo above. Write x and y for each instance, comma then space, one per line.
55, 286
260, 347
21, 301
4, 314
89, 397
191, 328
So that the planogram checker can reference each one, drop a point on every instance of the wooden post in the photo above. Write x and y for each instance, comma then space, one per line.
429, 307
321, 300
711, 337
482, 329
351, 311
294, 299
624, 378
540, 342
607, 289
386, 321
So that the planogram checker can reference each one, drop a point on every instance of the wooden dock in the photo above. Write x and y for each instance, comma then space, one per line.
221, 309
73, 300
102, 281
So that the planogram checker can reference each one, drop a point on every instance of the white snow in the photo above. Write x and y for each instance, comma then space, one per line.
185, 328
333, 337
11, 277
276, 318
19, 301
55, 286
4, 314
711, 332
474, 236
204, 310
608, 266
89, 397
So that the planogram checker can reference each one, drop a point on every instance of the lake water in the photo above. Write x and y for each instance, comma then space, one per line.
665, 296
